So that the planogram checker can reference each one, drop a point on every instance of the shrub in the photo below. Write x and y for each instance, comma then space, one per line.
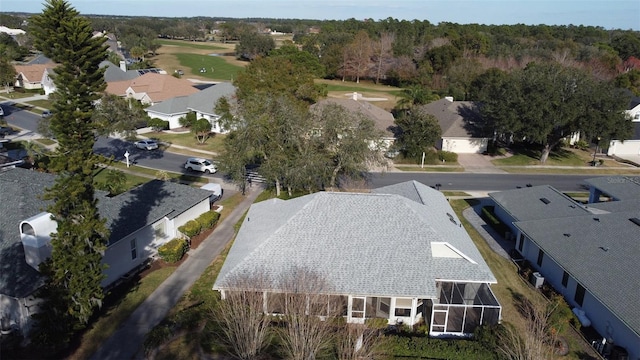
208, 219
191, 228
581, 144
173, 250
158, 124
447, 156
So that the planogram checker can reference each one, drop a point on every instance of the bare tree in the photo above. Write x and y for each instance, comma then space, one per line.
242, 318
358, 56
382, 50
307, 327
358, 342
533, 342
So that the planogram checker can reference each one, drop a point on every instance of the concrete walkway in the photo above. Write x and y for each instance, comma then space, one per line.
126, 343
496, 241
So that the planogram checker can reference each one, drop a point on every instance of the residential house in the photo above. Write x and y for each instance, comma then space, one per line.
202, 103
384, 120
588, 253
139, 220
152, 88
629, 149
398, 253
461, 125
10, 31
29, 77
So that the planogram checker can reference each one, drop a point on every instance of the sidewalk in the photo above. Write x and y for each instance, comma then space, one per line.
127, 341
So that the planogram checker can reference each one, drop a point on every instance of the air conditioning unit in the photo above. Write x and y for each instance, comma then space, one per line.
537, 280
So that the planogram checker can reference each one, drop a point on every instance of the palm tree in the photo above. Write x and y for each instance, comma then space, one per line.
415, 95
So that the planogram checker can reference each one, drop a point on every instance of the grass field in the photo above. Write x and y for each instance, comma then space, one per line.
191, 44
217, 67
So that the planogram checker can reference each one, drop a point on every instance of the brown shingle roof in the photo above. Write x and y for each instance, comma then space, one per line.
157, 87
33, 73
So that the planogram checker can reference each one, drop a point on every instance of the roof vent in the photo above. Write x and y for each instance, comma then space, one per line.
635, 221
604, 248
567, 235
545, 200
596, 219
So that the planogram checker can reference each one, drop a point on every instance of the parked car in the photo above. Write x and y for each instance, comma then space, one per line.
146, 144
1, 112
5, 130
47, 113
202, 165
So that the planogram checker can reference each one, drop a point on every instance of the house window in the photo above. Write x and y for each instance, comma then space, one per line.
521, 243
565, 279
540, 257
403, 307
579, 297
134, 249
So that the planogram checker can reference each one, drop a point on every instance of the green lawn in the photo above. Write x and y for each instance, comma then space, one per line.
132, 180
190, 44
40, 103
214, 143
562, 157
217, 68
431, 168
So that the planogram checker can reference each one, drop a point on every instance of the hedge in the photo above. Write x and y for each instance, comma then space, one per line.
208, 219
493, 221
202, 222
191, 228
173, 250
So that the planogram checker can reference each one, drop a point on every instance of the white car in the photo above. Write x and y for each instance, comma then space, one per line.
202, 165
146, 144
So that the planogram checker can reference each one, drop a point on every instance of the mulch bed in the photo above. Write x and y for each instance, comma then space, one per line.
159, 263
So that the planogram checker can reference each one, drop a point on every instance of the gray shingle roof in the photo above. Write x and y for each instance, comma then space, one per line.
456, 118
203, 101
384, 120
528, 204
366, 244
114, 73
20, 198
619, 187
146, 204
611, 275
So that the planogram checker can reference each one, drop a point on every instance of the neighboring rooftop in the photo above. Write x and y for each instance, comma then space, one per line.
537, 202
456, 118
203, 101
600, 252
617, 187
124, 214
383, 119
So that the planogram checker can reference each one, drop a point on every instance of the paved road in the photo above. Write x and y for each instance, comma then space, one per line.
126, 342
450, 181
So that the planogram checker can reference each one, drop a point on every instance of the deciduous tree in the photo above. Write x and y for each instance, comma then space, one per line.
544, 103
113, 114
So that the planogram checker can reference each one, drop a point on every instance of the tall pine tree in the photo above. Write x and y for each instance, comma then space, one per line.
74, 271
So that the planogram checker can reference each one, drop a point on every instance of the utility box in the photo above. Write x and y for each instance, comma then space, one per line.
537, 280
